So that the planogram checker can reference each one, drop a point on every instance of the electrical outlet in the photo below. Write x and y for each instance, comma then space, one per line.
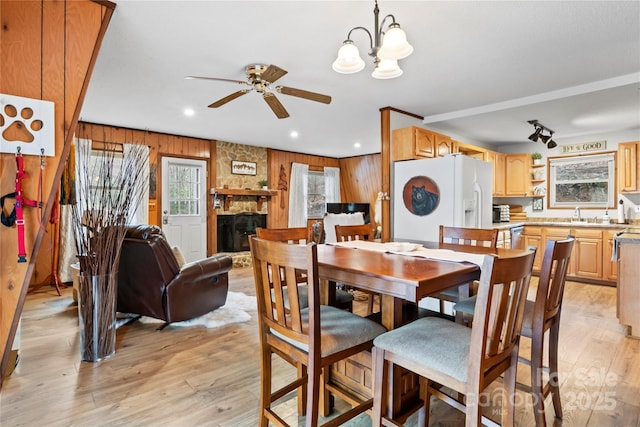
637, 209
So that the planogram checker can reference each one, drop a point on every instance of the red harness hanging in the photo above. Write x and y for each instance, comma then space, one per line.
20, 202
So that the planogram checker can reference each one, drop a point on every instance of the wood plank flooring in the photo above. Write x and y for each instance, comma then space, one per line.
210, 377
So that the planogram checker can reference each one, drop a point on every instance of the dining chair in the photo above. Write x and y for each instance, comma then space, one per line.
465, 360
311, 338
464, 237
300, 235
540, 316
345, 233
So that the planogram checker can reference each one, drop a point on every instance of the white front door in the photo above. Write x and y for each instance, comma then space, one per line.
184, 205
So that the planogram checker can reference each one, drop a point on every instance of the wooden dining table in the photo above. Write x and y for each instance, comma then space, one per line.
397, 278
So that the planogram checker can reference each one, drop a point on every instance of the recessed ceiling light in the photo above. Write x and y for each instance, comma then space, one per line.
293, 134
189, 112
356, 145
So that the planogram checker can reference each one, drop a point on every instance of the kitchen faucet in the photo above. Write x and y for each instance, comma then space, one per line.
576, 214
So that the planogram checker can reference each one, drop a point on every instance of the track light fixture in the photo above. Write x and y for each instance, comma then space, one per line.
538, 134
386, 47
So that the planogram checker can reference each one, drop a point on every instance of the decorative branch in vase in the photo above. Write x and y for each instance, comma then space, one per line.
109, 187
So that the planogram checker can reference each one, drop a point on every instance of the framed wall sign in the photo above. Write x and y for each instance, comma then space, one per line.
239, 167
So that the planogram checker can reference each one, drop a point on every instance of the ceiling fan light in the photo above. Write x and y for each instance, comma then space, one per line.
387, 69
395, 44
348, 60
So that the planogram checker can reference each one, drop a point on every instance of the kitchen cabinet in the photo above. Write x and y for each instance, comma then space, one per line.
587, 254
628, 289
591, 255
414, 142
532, 236
517, 174
497, 159
628, 167
470, 150
609, 268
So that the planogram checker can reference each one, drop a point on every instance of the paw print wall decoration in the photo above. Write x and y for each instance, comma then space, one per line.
27, 124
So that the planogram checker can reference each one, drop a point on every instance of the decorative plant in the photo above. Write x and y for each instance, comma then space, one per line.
106, 196
263, 183
536, 156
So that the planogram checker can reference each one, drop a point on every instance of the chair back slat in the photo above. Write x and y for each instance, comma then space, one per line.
553, 273
345, 233
486, 237
499, 311
290, 235
289, 260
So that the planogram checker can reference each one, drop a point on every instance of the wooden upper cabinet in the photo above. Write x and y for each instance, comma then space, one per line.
497, 160
517, 174
471, 150
416, 143
628, 173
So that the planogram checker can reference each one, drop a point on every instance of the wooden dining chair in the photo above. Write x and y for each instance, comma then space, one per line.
345, 233
540, 316
311, 338
300, 235
465, 360
464, 237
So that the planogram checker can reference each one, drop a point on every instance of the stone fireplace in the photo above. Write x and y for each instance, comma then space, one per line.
234, 230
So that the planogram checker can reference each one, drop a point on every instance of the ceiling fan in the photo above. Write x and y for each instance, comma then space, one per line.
260, 77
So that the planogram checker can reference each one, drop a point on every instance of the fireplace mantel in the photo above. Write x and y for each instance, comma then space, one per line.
230, 193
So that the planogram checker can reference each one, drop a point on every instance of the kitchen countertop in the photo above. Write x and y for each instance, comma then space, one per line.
581, 224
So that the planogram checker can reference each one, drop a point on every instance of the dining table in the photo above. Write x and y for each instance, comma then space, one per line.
402, 278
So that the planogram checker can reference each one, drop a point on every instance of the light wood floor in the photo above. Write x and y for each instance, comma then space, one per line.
210, 377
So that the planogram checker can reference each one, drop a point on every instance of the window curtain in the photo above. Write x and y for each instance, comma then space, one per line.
298, 195
67, 249
139, 214
332, 184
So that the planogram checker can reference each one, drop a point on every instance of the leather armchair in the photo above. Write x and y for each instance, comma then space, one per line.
151, 283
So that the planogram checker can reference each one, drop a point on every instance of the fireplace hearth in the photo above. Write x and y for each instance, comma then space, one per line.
234, 230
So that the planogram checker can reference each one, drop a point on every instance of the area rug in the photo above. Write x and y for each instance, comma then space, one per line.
235, 310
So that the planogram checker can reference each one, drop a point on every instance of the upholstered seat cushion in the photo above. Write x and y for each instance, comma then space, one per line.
466, 306
431, 341
340, 330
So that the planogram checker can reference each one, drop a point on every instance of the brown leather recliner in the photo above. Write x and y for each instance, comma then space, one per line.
151, 283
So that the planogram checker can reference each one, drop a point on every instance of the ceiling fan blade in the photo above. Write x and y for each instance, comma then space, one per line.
272, 73
318, 97
275, 105
228, 98
242, 82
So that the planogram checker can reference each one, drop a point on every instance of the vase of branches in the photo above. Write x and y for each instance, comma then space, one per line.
108, 190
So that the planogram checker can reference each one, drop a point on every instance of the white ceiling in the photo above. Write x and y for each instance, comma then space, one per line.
479, 70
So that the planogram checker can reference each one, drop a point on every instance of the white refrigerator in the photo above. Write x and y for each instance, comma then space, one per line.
455, 190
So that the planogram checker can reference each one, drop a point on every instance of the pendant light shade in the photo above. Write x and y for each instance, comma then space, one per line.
348, 60
387, 69
395, 44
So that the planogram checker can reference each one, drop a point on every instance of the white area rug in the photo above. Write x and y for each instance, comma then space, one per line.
234, 311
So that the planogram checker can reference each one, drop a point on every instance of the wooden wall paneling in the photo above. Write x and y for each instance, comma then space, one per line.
78, 36
361, 179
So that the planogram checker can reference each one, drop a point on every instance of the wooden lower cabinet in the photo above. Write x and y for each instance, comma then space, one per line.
591, 255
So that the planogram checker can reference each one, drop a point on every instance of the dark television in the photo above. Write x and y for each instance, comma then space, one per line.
336, 208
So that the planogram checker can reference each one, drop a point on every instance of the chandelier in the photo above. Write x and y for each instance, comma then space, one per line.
386, 47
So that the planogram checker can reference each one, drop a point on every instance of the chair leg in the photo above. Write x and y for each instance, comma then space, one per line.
369, 304
537, 390
554, 381
425, 395
314, 376
302, 391
379, 387
509, 393
473, 415
265, 387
